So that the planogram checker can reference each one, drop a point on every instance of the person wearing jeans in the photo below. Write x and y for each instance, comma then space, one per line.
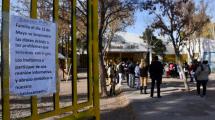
120, 73
131, 68
137, 76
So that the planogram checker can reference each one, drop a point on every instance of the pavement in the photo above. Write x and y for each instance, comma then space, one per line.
175, 103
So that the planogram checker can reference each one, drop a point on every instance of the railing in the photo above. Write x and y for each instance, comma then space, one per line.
84, 110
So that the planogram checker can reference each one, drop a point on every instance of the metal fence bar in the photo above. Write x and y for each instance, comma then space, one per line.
93, 79
74, 57
84, 115
89, 38
34, 110
89, 58
54, 113
5, 60
95, 59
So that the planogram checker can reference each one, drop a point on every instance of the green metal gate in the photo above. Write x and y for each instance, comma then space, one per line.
85, 110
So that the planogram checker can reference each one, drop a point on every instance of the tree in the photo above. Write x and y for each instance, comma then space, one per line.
153, 42
176, 19
45, 12
208, 31
205, 31
114, 16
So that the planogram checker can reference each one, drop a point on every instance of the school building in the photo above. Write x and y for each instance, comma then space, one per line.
126, 46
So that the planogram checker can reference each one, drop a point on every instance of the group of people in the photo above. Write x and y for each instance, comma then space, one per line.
173, 70
139, 72
123, 70
136, 72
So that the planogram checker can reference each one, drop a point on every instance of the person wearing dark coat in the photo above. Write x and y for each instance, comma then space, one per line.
156, 71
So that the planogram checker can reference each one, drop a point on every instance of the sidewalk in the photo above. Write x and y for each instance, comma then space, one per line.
175, 103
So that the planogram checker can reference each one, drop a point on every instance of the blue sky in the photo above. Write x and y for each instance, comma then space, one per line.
143, 19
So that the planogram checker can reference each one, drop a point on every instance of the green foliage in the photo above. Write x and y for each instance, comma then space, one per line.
157, 44
177, 19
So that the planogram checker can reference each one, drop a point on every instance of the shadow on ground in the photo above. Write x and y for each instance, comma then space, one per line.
175, 104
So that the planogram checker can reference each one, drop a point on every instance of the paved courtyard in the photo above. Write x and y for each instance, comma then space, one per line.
175, 103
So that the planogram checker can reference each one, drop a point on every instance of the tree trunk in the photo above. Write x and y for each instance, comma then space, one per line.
102, 66
186, 86
102, 76
178, 61
200, 52
190, 55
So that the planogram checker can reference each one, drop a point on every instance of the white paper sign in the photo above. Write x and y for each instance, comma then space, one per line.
32, 56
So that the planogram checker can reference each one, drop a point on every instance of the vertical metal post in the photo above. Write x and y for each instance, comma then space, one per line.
56, 95
34, 111
5, 60
89, 39
74, 57
95, 59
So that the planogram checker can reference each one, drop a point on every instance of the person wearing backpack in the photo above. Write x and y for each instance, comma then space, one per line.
202, 73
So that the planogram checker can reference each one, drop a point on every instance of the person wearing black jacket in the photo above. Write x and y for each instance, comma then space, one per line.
120, 71
156, 71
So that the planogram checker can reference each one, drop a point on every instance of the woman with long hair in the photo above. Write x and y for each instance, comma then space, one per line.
143, 76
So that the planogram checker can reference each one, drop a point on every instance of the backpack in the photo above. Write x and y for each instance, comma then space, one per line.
202, 69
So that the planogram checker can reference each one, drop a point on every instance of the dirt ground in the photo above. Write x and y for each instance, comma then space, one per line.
131, 105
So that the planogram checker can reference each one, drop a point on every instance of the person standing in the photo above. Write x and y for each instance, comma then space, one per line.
143, 68
202, 73
193, 68
137, 76
120, 73
186, 69
126, 72
131, 68
156, 71
111, 76
192, 72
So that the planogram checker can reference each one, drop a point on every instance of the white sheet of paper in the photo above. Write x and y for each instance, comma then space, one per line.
32, 56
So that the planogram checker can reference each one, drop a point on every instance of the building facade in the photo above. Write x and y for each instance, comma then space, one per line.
126, 46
